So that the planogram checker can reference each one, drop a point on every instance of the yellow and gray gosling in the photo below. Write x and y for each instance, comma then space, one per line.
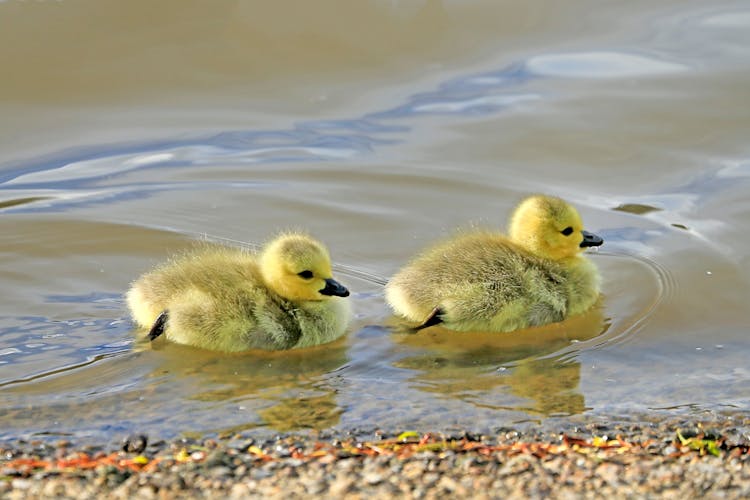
230, 299
485, 281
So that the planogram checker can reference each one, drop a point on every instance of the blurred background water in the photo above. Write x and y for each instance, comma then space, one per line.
128, 131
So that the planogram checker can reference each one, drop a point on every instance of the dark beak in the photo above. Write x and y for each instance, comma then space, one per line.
333, 287
590, 240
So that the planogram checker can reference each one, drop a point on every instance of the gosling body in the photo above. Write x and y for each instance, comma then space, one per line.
230, 299
485, 281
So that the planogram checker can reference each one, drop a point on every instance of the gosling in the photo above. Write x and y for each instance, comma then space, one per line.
484, 281
230, 299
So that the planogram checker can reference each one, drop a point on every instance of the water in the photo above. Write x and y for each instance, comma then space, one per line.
127, 135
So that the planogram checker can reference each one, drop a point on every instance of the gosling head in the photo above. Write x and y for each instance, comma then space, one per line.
550, 227
298, 268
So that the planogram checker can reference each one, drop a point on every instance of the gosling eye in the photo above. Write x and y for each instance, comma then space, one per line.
567, 231
305, 275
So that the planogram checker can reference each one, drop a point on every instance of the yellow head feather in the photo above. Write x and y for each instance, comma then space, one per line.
296, 267
548, 227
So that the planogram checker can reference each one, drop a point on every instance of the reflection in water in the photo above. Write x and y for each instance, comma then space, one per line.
551, 385
303, 412
468, 365
191, 388
601, 65
283, 387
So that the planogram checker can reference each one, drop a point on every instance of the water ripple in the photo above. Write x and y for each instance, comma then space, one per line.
73, 177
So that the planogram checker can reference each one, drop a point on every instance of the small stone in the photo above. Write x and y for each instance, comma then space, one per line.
238, 491
146, 492
135, 443
54, 489
283, 451
430, 478
216, 458
372, 478
21, 484
340, 486
220, 472
260, 473
448, 483
316, 486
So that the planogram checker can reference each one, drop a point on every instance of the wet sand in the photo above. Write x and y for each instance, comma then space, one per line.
648, 458
128, 133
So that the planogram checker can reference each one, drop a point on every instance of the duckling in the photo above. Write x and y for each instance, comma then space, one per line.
484, 281
230, 299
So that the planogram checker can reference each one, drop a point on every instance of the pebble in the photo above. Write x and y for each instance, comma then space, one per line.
372, 478
135, 443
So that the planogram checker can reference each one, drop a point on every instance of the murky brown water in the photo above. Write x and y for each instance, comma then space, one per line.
127, 131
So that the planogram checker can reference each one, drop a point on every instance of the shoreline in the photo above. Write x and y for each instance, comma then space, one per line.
674, 457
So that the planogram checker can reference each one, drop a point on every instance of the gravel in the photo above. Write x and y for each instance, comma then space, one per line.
648, 458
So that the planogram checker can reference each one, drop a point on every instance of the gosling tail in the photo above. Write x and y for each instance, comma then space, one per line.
433, 319
159, 324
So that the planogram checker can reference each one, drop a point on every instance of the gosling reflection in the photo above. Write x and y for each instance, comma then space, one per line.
511, 372
283, 390
293, 414
551, 384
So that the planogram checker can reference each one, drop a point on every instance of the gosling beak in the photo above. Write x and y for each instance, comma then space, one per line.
590, 240
333, 287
